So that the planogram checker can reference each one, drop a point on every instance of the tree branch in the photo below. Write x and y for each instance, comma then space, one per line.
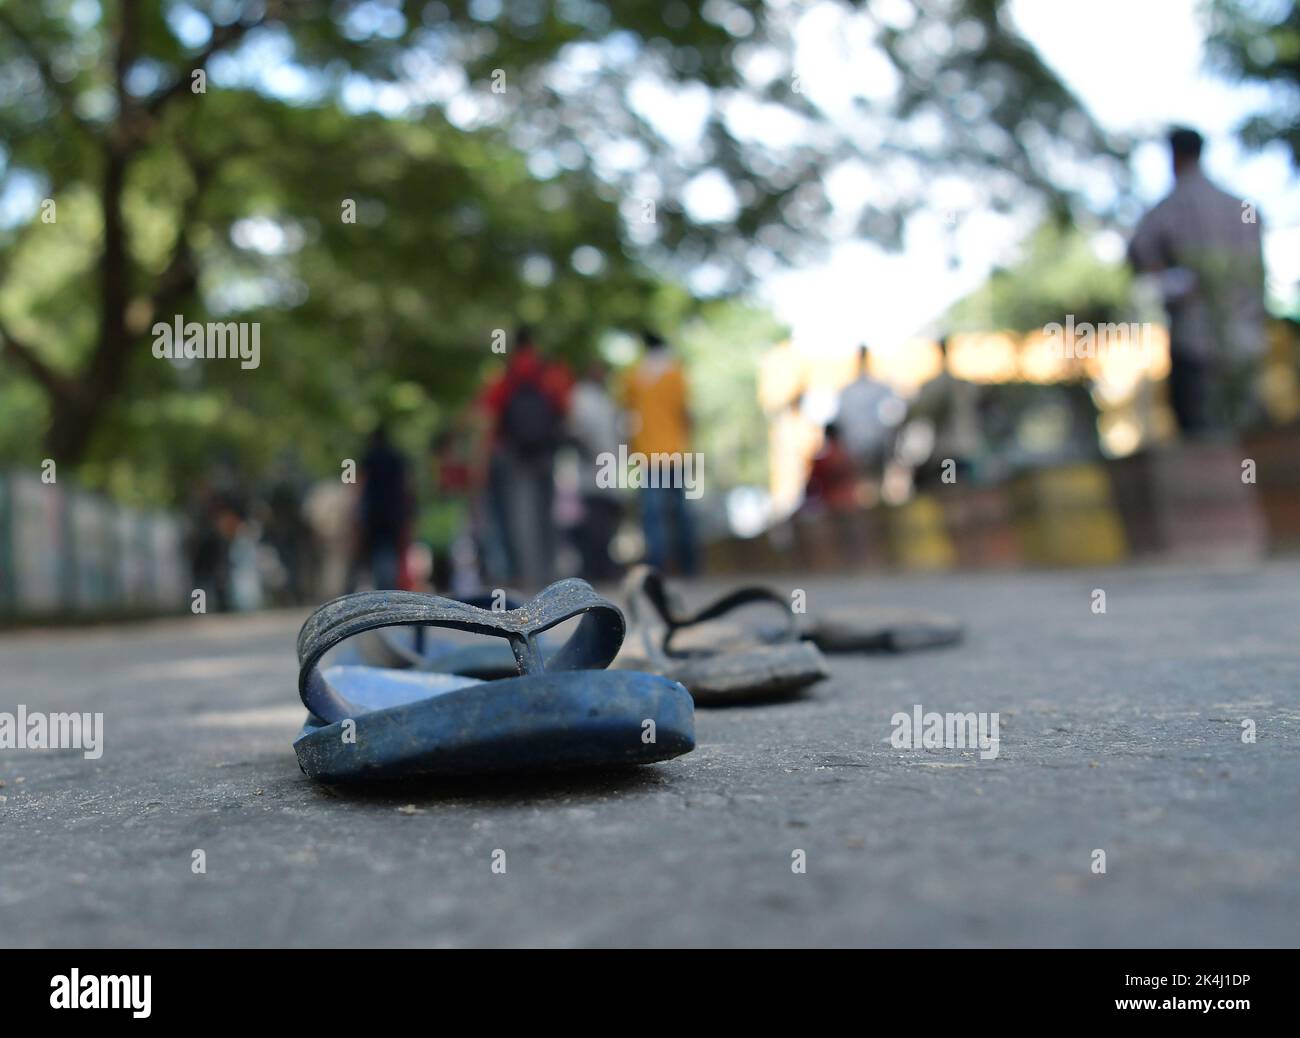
223, 36
180, 276
58, 386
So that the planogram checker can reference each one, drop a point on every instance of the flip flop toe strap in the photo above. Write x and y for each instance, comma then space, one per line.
413, 654
592, 645
649, 584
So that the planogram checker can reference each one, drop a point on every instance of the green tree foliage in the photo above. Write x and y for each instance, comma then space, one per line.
1259, 42
1058, 273
502, 170
722, 346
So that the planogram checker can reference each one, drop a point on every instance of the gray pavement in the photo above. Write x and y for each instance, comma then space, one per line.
1119, 732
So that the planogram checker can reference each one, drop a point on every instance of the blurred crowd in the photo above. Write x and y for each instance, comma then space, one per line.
1202, 248
518, 486
878, 441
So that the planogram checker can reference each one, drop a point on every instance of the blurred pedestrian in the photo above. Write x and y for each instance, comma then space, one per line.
655, 395
329, 510
209, 543
526, 406
385, 508
833, 476
452, 526
595, 428
869, 412
951, 407
287, 532
1205, 246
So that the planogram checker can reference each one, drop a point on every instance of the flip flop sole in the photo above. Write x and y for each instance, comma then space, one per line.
882, 630
542, 722
755, 674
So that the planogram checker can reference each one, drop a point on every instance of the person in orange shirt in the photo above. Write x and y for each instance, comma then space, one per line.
655, 395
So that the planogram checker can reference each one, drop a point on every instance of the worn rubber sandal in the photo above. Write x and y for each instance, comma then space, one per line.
865, 629
567, 712
880, 629
742, 673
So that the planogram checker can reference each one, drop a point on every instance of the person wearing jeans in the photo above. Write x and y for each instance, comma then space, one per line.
666, 518
655, 397
526, 408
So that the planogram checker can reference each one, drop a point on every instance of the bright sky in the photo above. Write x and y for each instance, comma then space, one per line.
1137, 65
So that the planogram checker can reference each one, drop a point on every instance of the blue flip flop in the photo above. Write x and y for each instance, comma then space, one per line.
561, 712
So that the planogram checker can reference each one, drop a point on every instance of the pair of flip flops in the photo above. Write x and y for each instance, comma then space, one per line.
761, 662
395, 702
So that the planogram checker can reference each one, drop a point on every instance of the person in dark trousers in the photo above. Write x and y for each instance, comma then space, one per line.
526, 407
209, 544
287, 532
1205, 246
953, 407
595, 429
385, 508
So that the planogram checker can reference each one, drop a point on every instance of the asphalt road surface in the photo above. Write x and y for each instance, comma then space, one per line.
1119, 732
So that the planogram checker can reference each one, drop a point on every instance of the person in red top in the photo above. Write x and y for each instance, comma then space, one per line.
833, 478
526, 407
527, 366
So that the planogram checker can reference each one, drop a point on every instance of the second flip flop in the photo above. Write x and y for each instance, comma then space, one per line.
718, 672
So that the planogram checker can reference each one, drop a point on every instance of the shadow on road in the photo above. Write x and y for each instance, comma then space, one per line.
513, 790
